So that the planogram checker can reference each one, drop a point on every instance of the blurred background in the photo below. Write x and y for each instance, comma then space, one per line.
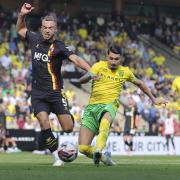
148, 32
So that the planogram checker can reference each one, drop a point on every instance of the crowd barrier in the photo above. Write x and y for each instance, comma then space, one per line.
143, 145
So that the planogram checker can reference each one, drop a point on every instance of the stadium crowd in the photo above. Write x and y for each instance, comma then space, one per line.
168, 31
89, 36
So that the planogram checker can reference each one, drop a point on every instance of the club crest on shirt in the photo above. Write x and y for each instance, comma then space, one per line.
121, 73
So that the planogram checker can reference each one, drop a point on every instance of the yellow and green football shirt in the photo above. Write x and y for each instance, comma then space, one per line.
176, 87
107, 89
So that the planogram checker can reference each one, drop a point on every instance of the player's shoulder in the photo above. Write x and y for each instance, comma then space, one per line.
177, 79
124, 68
32, 34
33, 37
99, 66
102, 63
59, 43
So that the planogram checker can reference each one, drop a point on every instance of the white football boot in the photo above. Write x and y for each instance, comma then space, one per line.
57, 160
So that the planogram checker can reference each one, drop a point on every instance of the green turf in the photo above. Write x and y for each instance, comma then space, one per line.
27, 166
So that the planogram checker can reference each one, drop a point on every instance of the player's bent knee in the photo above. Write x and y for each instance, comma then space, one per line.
66, 122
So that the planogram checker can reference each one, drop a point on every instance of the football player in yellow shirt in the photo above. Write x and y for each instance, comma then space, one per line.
176, 90
104, 102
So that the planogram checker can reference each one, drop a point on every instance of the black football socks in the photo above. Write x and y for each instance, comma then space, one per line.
49, 140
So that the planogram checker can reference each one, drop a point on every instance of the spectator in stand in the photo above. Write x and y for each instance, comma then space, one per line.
20, 121
2, 114
169, 130
6, 142
159, 59
131, 114
29, 124
176, 48
176, 93
159, 32
5, 60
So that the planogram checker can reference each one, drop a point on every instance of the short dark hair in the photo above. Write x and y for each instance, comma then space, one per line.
115, 49
50, 17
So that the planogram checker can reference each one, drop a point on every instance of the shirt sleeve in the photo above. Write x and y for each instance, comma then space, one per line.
95, 68
65, 51
174, 87
31, 37
131, 76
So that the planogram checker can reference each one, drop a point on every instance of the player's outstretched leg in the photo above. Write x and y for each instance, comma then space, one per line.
101, 140
52, 144
87, 150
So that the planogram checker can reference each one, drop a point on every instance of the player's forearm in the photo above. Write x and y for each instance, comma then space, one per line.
146, 90
83, 65
21, 24
84, 79
79, 62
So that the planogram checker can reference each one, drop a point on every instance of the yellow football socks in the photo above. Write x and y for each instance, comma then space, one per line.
103, 134
101, 140
87, 150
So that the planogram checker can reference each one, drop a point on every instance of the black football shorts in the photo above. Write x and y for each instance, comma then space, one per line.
54, 102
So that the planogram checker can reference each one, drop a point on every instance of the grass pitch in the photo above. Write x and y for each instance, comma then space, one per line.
26, 166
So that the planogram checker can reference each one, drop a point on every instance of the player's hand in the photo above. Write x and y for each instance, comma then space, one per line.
160, 101
94, 77
26, 8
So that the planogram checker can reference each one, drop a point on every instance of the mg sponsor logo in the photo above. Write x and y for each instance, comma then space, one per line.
39, 56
